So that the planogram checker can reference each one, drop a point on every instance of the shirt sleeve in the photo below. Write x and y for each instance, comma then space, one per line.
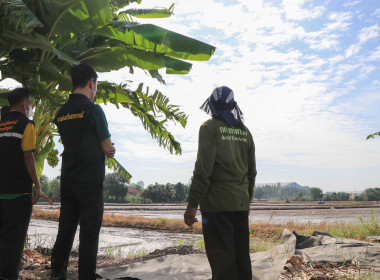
251, 167
204, 165
99, 121
28, 142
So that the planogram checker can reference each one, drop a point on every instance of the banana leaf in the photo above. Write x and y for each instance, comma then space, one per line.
70, 16
115, 166
150, 13
20, 17
372, 136
107, 59
41, 156
156, 39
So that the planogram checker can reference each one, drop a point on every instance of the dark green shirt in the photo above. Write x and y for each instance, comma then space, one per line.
99, 121
225, 170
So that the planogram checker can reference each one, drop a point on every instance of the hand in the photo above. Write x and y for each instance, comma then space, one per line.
111, 152
189, 216
37, 194
108, 147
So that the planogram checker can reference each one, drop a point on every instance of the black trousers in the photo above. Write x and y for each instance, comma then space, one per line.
83, 205
226, 236
14, 221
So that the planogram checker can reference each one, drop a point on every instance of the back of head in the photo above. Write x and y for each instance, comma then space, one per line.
81, 74
16, 96
221, 104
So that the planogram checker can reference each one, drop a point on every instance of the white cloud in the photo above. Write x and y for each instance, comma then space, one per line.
352, 50
375, 55
368, 33
365, 71
377, 12
350, 4
327, 37
295, 10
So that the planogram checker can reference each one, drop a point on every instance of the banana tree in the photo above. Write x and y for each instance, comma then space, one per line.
41, 40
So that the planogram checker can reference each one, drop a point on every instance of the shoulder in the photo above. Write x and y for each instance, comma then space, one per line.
209, 128
23, 119
211, 123
97, 112
97, 108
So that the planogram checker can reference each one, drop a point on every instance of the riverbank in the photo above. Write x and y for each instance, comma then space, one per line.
359, 229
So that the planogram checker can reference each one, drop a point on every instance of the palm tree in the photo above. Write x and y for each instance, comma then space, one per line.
41, 40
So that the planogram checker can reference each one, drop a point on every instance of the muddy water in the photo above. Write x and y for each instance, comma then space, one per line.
124, 241
290, 213
113, 241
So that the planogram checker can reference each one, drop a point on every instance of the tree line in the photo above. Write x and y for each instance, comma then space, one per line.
306, 193
115, 189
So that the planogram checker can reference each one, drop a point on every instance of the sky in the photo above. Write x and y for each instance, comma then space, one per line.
304, 73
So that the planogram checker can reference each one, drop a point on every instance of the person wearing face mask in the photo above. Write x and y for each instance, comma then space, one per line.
17, 175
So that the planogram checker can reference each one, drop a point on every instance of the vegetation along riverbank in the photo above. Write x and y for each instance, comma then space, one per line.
358, 229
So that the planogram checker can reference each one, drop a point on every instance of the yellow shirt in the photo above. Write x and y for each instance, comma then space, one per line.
28, 142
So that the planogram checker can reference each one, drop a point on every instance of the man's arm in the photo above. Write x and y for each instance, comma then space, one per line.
202, 172
99, 121
108, 148
251, 168
28, 146
30, 164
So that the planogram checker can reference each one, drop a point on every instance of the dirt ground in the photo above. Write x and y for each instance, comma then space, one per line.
37, 266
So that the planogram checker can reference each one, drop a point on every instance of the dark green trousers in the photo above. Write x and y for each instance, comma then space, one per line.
226, 236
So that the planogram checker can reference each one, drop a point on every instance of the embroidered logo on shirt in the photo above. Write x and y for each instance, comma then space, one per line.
233, 134
71, 117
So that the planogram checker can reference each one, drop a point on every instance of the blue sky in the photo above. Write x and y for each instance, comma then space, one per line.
305, 74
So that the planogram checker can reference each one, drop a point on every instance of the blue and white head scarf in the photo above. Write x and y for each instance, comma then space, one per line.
221, 104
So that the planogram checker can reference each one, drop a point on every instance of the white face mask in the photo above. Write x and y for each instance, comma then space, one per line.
30, 112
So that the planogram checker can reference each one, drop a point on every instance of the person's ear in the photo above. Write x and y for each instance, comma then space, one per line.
25, 104
93, 83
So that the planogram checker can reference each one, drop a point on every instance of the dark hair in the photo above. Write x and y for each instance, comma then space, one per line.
17, 95
81, 74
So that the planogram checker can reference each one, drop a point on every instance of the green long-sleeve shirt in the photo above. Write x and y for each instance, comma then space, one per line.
225, 170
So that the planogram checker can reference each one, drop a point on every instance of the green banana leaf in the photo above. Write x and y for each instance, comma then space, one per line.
150, 13
156, 39
115, 166
18, 40
372, 136
107, 59
71, 16
146, 106
20, 17
41, 156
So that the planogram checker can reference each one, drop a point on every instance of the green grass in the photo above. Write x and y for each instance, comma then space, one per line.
359, 230
259, 245
113, 252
